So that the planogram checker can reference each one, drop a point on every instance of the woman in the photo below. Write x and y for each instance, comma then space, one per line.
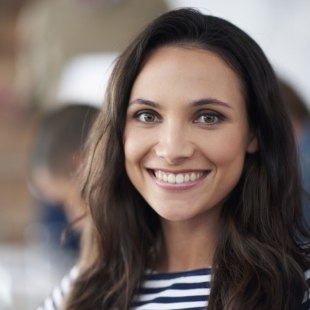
192, 184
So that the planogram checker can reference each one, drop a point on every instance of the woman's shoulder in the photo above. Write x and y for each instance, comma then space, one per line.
57, 298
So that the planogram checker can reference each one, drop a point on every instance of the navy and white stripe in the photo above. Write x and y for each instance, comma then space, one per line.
57, 298
188, 290
177, 290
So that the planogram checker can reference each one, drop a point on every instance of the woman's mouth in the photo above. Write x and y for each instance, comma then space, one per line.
180, 177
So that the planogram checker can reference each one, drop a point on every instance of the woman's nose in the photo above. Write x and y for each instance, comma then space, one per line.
174, 144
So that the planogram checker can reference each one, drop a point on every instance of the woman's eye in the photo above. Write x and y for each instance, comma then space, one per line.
147, 117
208, 118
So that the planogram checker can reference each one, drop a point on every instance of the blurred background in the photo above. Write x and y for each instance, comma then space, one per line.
57, 53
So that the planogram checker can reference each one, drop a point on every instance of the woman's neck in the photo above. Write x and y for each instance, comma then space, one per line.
188, 245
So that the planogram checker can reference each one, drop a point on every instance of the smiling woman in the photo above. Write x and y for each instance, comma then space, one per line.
192, 186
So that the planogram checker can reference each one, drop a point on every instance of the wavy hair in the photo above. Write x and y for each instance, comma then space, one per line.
258, 263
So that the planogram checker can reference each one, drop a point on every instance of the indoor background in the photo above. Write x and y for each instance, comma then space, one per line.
29, 84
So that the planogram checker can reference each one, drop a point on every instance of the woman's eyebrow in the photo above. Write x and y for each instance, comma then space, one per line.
144, 102
205, 101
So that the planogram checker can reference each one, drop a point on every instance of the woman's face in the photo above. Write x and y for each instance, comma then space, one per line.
186, 133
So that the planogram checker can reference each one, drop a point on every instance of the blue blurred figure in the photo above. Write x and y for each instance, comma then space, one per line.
300, 116
56, 157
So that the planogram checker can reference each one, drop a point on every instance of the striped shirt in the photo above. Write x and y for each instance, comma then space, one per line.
188, 290
176, 290
56, 300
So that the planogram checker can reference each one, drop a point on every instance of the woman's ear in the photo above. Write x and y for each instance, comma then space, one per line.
252, 146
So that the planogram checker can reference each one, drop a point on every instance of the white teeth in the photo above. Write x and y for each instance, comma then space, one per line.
179, 178
193, 176
171, 178
186, 177
164, 177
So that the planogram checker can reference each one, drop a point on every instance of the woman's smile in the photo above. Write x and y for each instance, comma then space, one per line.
178, 178
177, 181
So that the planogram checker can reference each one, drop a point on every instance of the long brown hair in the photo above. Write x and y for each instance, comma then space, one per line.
258, 262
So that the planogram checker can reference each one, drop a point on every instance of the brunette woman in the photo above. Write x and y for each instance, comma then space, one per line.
192, 185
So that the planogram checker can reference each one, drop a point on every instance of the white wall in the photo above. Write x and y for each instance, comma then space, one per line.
281, 27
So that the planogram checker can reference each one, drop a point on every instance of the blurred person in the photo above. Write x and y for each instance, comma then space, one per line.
300, 117
56, 158
51, 32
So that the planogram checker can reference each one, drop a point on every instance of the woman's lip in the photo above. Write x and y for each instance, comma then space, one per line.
152, 170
